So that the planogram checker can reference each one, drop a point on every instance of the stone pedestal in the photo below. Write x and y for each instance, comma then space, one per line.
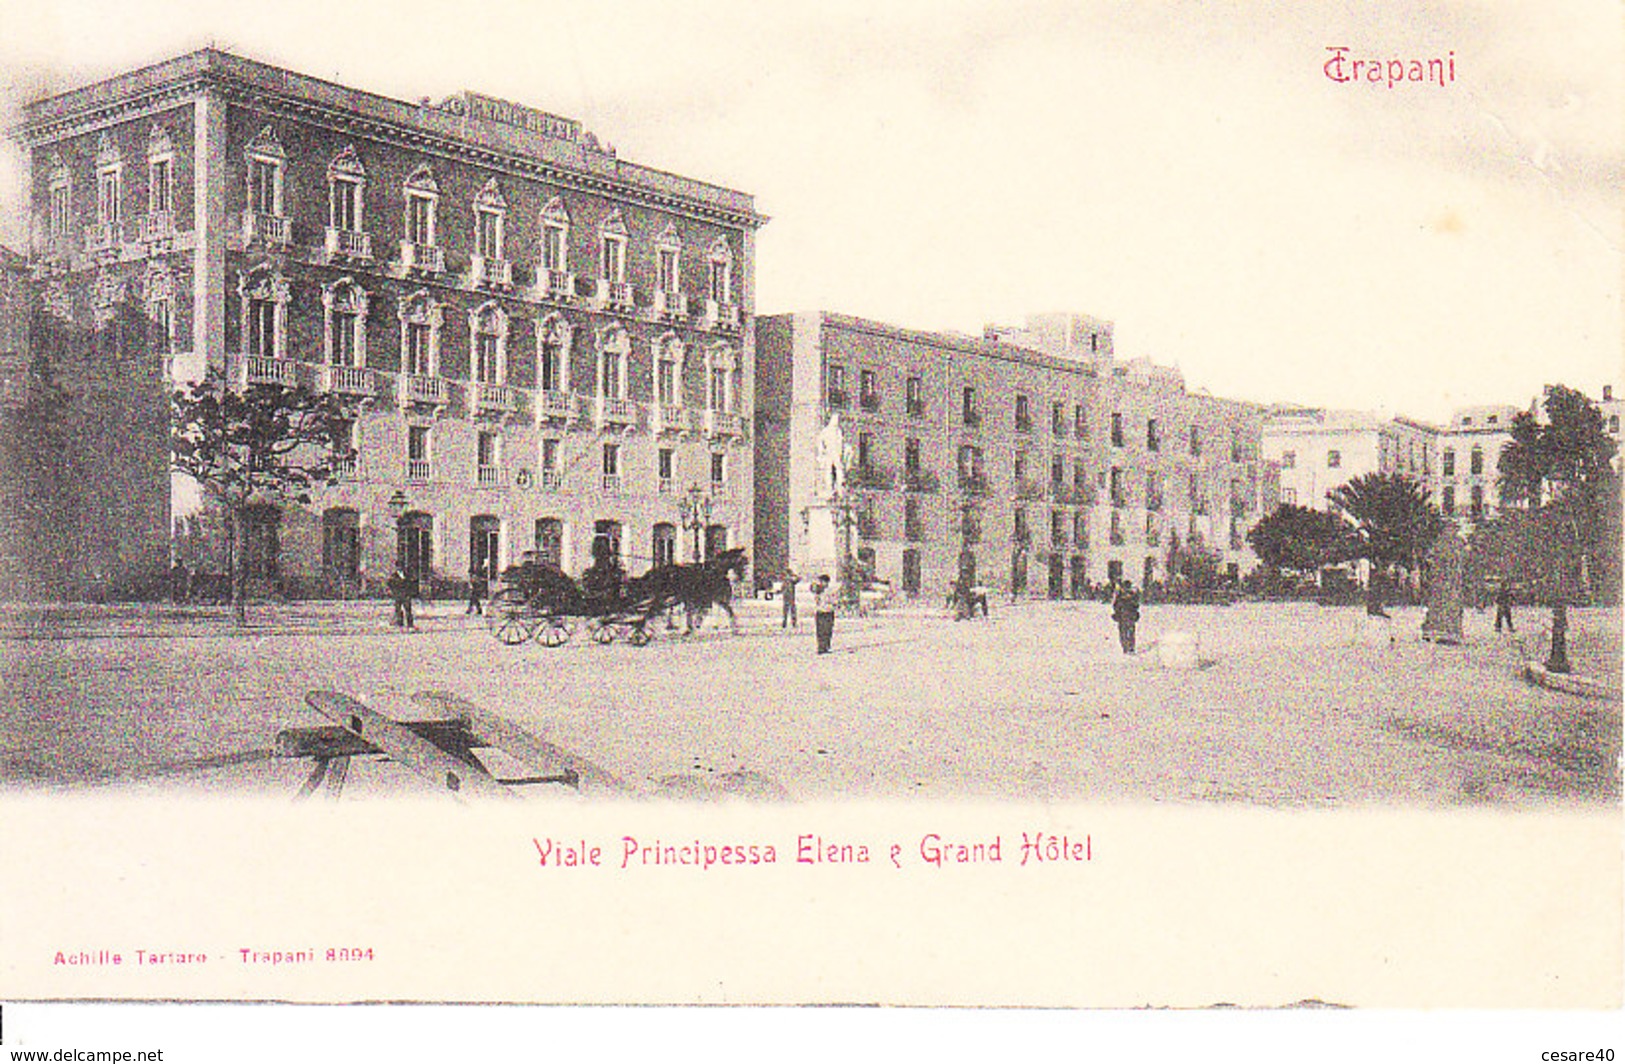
1178, 650
824, 541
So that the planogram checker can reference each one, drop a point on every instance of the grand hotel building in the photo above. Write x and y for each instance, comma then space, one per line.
549, 345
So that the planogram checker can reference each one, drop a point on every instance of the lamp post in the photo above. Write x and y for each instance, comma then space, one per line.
694, 511
397, 504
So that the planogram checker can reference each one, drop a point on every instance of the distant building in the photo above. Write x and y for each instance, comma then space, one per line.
1319, 450
1031, 460
551, 345
1467, 485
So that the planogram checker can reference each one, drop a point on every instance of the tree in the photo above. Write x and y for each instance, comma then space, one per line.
1300, 540
1396, 525
34, 473
1192, 565
1560, 496
266, 443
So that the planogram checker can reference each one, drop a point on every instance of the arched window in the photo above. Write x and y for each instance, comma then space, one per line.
663, 544
344, 326
550, 541
669, 372
613, 348
720, 290
555, 237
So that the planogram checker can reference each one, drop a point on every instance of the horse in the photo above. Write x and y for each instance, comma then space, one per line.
695, 586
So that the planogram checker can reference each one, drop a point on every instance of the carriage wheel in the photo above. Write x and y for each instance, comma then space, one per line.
602, 634
512, 630
639, 636
554, 633
506, 605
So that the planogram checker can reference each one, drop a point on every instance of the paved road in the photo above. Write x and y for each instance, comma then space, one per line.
1037, 705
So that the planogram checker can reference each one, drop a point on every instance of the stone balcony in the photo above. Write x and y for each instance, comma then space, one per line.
616, 413
555, 406
671, 419
556, 284
489, 397
614, 295
244, 370
490, 273
425, 258
348, 244
430, 391
724, 423
721, 316
267, 229
101, 236
157, 227
670, 304
419, 471
349, 380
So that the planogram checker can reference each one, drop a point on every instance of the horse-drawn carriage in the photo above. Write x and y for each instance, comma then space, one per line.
540, 601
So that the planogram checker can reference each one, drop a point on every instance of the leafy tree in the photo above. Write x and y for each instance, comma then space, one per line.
34, 472
1192, 564
265, 443
1560, 497
1300, 540
1396, 525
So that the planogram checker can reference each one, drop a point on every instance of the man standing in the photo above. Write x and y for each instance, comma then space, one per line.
788, 591
1126, 612
479, 584
824, 612
403, 589
1503, 605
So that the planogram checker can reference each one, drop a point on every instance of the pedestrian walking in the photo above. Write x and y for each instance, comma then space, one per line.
824, 598
1503, 606
1126, 612
479, 585
788, 618
403, 588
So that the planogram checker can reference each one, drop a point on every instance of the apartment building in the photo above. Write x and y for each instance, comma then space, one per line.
549, 345
1031, 460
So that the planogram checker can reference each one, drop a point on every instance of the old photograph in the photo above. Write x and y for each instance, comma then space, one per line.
900, 461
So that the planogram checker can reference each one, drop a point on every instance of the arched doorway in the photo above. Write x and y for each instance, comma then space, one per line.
341, 550
663, 544
484, 545
716, 540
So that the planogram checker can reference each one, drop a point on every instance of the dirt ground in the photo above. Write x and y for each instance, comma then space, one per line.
1292, 706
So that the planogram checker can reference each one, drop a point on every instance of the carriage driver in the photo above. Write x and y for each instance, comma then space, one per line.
605, 579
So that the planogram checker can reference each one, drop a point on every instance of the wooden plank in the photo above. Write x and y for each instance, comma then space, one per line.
540, 756
465, 782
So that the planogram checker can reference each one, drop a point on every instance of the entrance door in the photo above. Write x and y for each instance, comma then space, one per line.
414, 544
1080, 576
262, 546
341, 549
484, 543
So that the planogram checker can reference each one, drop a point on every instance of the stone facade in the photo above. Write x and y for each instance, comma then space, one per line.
547, 343
998, 454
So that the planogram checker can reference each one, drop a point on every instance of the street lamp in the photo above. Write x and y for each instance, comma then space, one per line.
694, 510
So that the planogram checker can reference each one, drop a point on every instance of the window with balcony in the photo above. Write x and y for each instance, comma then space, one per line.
1024, 414
835, 390
721, 272
967, 408
1057, 528
553, 355
1153, 440
719, 469
344, 310
488, 327
420, 318
914, 396
421, 216
1117, 430
346, 178
488, 458
160, 173
719, 377
1475, 462
612, 249
488, 231
555, 238
669, 374
263, 296
264, 162
613, 348
868, 395
419, 458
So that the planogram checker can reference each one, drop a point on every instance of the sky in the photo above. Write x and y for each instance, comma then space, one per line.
1187, 170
